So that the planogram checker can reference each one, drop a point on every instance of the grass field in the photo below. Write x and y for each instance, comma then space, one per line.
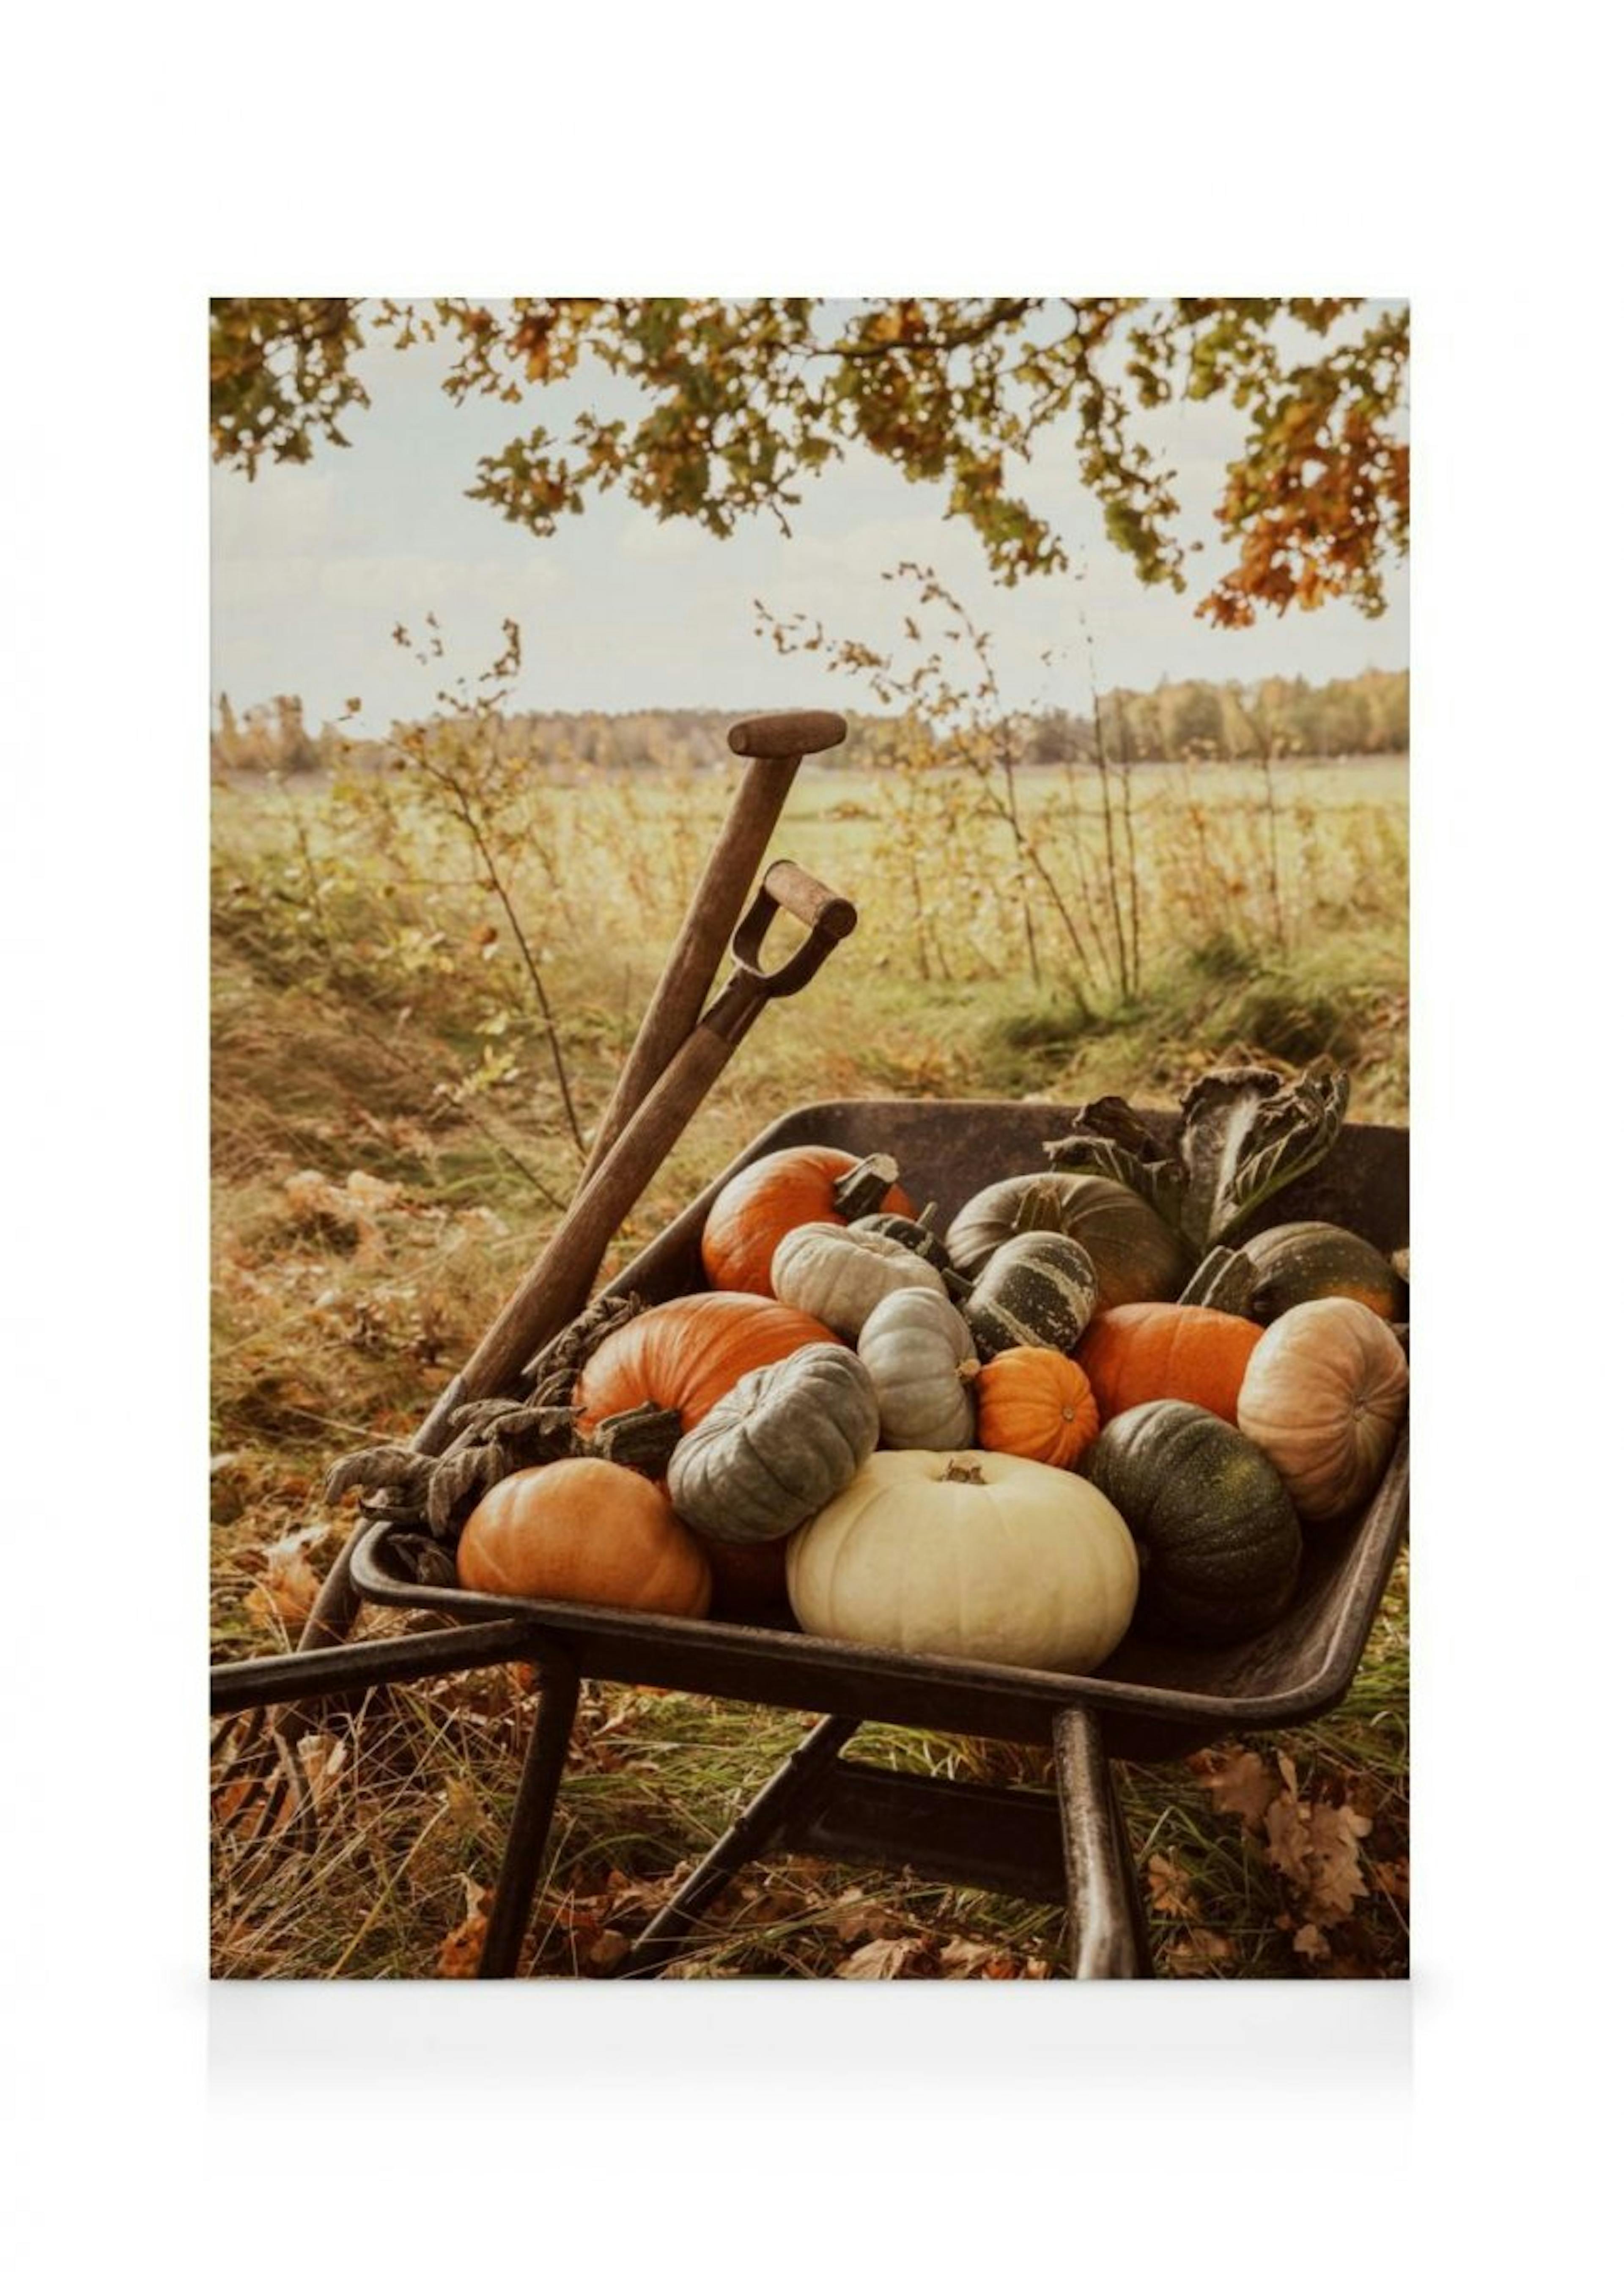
391, 1147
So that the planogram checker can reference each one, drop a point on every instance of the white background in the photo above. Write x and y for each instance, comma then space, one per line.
152, 155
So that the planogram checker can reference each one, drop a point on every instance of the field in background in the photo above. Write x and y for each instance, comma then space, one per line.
391, 1145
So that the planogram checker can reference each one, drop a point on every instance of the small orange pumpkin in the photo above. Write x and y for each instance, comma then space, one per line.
685, 1355
1037, 1404
585, 1530
1147, 1350
808, 1183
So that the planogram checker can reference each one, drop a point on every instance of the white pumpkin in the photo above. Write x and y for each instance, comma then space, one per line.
976, 1555
840, 1275
1322, 1397
921, 1360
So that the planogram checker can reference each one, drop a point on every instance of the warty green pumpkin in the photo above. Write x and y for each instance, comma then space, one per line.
1219, 1544
968, 1554
1307, 1261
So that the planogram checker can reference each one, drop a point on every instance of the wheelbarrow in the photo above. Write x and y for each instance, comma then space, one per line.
1150, 1700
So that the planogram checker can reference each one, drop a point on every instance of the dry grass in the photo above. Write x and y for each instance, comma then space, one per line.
379, 1189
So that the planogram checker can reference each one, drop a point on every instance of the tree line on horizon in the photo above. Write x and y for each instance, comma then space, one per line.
1178, 721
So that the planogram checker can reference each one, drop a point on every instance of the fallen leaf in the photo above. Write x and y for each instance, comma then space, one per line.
1197, 1951
609, 1950
461, 1951
879, 1960
1170, 1887
1240, 1783
967, 1960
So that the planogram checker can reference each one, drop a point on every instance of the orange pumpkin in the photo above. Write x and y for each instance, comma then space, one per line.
1146, 1350
585, 1530
752, 1213
1037, 1404
685, 1355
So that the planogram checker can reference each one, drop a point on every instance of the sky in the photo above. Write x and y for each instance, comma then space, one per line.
313, 565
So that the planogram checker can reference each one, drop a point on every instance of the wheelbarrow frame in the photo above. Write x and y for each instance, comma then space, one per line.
1151, 1701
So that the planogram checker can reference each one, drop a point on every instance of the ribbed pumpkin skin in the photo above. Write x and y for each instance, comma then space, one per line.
752, 1212
1220, 1543
920, 1358
1146, 1350
687, 1353
1028, 1567
1323, 1397
1037, 1291
583, 1530
840, 1275
1036, 1404
780, 1445
1137, 1256
1307, 1261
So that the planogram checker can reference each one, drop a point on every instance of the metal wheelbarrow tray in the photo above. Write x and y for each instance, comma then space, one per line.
1149, 1700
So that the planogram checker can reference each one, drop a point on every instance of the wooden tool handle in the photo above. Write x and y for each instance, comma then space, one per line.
719, 899
786, 734
817, 907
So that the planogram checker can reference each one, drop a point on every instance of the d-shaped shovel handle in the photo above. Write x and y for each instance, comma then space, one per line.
827, 916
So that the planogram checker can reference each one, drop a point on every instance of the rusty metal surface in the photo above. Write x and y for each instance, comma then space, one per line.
1157, 1698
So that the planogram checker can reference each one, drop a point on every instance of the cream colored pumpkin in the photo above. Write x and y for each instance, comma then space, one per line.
975, 1555
1324, 1396
921, 1360
840, 1275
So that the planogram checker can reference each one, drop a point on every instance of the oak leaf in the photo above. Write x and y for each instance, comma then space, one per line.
879, 1960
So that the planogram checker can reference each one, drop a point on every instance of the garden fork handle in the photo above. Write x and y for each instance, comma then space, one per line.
775, 745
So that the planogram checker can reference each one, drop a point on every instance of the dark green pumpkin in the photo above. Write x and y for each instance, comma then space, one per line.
1038, 1291
1305, 1261
1220, 1543
1137, 1256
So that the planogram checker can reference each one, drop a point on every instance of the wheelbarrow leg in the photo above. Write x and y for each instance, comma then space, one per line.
1108, 1941
776, 1808
532, 1816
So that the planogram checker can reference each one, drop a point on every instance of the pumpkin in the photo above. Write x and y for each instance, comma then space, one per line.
968, 1555
1305, 1261
839, 1275
1146, 1350
1037, 1291
686, 1354
1220, 1543
1323, 1397
1036, 1404
913, 1232
807, 1183
583, 1530
920, 1358
777, 1447
1137, 1256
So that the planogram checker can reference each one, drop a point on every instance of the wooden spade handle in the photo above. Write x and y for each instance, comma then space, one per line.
777, 744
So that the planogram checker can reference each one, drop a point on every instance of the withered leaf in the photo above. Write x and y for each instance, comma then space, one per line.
1170, 1887
1240, 1783
879, 1960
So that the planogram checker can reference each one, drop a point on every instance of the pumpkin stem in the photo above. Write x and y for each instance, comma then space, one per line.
863, 1189
963, 1468
642, 1438
1039, 1209
968, 1371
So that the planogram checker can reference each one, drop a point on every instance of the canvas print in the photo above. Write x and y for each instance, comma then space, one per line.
809, 1134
